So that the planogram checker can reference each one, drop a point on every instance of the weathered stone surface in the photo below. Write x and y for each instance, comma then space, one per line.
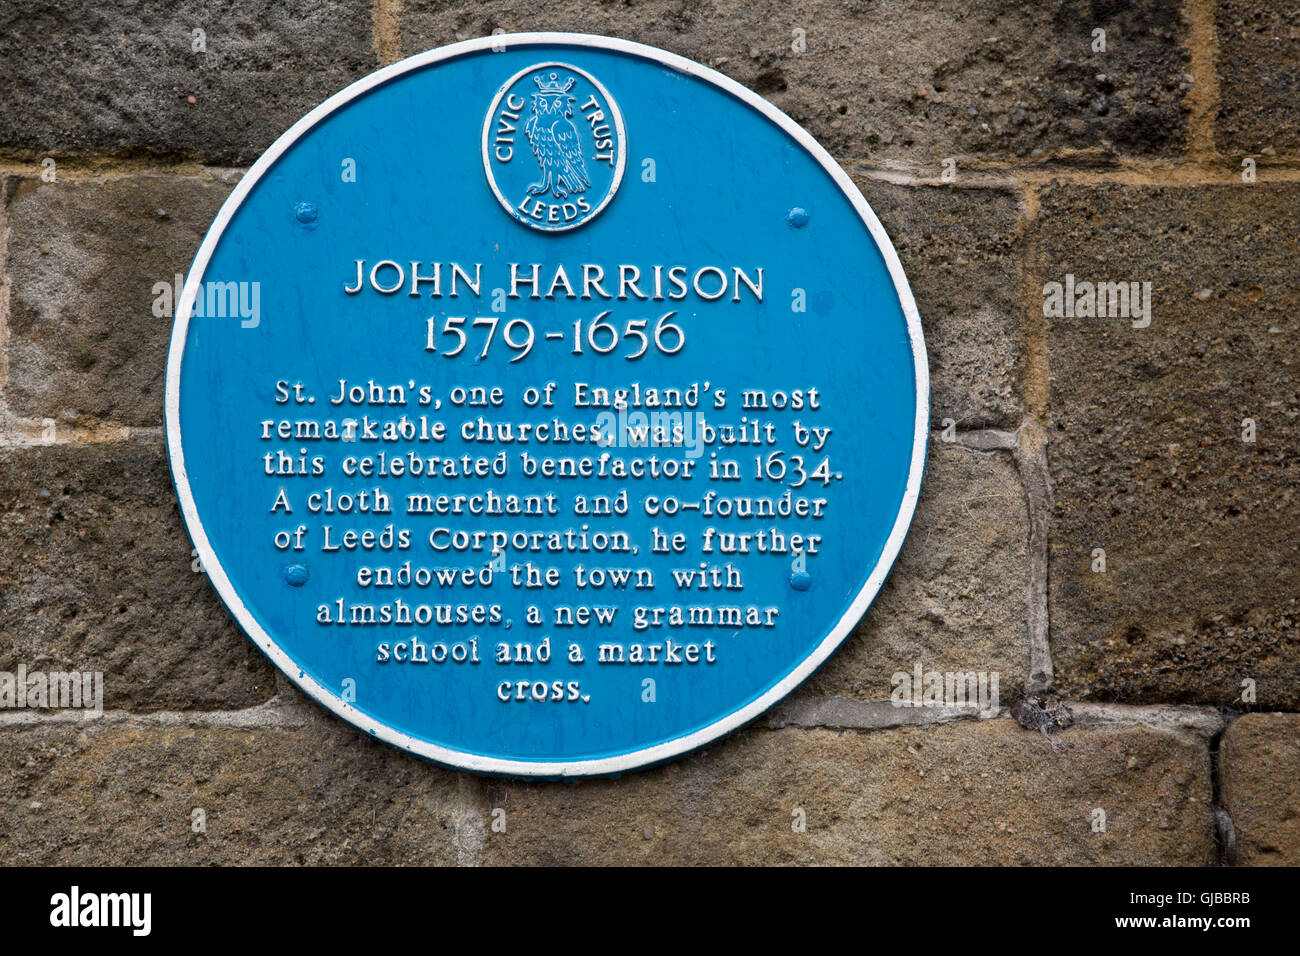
972, 792
83, 260
95, 575
903, 79
320, 794
1259, 774
115, 77
956, 598
961, 252
1259, 76
1201, 530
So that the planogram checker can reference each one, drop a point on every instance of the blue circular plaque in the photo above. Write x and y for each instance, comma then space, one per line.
547, 405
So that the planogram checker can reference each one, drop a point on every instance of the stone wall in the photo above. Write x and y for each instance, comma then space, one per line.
1002, 149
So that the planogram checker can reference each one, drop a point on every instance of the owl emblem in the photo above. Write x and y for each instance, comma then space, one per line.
555, 140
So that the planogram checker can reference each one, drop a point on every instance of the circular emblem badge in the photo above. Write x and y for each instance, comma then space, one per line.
553, 147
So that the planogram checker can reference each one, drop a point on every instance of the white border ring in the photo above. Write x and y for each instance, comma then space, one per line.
633, 760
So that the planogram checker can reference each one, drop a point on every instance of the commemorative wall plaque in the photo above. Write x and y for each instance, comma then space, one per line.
547, 405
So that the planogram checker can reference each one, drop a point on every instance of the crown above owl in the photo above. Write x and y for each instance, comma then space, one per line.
552, 83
